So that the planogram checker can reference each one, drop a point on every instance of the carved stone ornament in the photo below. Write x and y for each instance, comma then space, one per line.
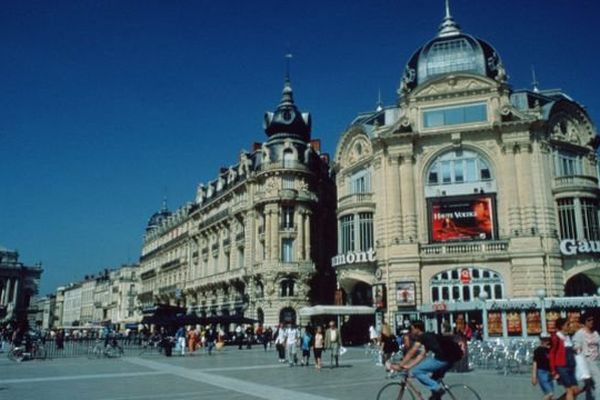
272, 186
301, 185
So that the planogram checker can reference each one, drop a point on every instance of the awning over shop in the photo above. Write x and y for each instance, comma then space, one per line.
336, 310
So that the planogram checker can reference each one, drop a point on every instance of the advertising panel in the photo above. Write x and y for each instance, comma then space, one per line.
379, 296
464, 218
405, 294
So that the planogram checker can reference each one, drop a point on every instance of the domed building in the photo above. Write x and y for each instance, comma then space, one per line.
257, 240
467, 199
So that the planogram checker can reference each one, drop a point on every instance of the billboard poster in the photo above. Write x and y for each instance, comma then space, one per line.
379, 296
405, 294
464, 218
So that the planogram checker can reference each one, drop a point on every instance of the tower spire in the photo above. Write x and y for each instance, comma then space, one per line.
379, 102
448, 27
534, 81
287, 97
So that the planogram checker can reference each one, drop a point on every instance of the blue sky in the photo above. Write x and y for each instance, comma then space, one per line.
108, 106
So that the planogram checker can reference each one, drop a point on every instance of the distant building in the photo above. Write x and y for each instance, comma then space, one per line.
466, 190
18, 284
256, 241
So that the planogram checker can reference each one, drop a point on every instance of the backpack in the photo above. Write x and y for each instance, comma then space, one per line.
450, 350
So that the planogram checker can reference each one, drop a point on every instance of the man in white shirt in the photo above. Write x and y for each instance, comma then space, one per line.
333, 341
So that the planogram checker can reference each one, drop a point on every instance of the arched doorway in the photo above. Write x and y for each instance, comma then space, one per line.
362, 295
580, 285
287, 315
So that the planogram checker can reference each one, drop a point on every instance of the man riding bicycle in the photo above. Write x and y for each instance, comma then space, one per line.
430, 365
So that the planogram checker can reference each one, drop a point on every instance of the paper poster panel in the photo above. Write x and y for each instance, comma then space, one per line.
462, 219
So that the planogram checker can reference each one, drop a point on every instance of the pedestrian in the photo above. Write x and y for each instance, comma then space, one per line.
333, 342
291, 343
180, 338
586, 342
306, 344
60, 339
540, 370
249, 336
373, 336
239, 336
318, 345
210, 338
280, 343
562, 359
192, 338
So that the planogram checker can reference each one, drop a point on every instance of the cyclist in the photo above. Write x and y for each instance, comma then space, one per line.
430, 365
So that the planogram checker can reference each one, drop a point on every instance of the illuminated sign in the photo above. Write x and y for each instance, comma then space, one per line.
570, 247
353, 257
464, 218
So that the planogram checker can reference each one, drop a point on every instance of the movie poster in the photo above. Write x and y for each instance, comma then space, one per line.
379, 296
405, 294
469, 218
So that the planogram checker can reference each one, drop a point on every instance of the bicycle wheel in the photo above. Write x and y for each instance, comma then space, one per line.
394, 391
461, 392
94, 352
16, 355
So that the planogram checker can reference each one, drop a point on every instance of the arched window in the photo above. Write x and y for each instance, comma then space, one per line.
287, 288
466, 284
288, 158
460, 166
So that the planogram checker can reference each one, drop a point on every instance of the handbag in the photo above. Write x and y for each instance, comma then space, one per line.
582, 371
343, 350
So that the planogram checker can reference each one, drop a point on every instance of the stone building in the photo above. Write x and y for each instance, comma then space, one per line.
256, 241
18, 284
466, 189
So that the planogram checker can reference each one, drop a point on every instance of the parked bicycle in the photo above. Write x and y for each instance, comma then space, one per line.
20, 353
99, 350
405, 389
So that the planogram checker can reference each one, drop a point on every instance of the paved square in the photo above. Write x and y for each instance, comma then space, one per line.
230, 374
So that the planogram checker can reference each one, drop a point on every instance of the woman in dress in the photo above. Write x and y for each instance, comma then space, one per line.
587, 342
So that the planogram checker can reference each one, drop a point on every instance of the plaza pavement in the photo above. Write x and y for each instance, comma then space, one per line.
228, 375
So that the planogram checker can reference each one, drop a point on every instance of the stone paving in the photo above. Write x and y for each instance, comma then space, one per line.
229, 374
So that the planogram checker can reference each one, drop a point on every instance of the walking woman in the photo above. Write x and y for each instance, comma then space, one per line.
562, 359
318, 345
587, 342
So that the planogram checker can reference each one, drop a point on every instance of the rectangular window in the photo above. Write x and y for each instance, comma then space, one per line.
360, 182
472, 175
365, 226
566, 219
446, 172
567, 163
455, 115
241, 257
287, 218
589, 211
435, 294
287, 250
347, 233
458, 171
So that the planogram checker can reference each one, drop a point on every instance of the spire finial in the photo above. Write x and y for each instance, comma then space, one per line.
288, 59
287, 94
164, 203
379, 102
534, 81
449, 27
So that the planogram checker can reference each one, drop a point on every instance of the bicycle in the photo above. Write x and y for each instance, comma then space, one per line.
20, 353
98, 350
406, 390
151, 345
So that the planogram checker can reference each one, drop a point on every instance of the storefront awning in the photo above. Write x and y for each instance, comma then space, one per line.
336, 310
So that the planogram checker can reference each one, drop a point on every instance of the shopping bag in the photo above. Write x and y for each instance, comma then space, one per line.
582, 371
343, 350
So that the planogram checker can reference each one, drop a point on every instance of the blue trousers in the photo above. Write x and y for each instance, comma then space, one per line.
423, 370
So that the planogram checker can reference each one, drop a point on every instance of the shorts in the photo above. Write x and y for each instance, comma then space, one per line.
566, 376
545, 381
318, 352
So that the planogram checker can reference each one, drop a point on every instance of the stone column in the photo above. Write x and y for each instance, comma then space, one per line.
512, 193
267, 231
275, 233
526, 184
2, 289
300, 236
395, 198
307, 235
7, 291
409, 218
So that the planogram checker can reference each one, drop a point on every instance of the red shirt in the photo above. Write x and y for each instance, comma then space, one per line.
557, 355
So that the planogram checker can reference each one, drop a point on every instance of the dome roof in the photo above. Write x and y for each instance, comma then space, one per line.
157, 218
287, 120
451, 51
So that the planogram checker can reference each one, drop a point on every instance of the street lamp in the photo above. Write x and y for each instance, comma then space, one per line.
483, 296
541, 294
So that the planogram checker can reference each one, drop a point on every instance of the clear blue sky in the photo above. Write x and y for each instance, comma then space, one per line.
107, 106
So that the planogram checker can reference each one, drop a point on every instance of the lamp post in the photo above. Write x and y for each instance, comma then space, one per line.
541, 294
483, 296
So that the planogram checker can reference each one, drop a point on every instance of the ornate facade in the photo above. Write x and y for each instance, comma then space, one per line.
466, 187
257, 240
18, 284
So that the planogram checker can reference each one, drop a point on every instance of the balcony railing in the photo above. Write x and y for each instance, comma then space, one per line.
282, 165
574, 182
355, 199
488, 247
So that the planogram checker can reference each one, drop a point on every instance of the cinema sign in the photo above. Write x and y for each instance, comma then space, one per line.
353, 257
571, 247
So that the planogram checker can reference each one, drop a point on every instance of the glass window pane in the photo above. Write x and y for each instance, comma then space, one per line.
498, 291
466, 295
446, 172
455, 293
458, 171
445, 293
475, 113
435, 294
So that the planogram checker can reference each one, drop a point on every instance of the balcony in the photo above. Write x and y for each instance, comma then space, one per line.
574, 182
355, 200
288, 165
465, 248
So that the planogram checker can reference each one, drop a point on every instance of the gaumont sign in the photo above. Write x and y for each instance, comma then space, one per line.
353, 257
570, 247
